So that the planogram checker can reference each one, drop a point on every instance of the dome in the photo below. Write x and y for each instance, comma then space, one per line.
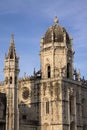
56, 33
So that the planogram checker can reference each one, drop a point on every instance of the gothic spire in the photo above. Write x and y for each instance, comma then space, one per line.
12, 52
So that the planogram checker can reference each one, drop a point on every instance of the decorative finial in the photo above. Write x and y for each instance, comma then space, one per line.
12, 38
12, 35
56, 20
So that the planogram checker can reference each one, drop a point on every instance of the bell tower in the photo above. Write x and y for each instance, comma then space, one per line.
56, 56
11, 71
56, 52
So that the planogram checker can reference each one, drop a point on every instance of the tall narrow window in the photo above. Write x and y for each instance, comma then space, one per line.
47, 107
71, 104
68, 70
10, 80
49, 71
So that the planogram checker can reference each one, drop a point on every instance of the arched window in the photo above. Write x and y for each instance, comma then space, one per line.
68, 70
49, 72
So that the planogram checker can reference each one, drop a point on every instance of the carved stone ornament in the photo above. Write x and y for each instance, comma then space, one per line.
25, 93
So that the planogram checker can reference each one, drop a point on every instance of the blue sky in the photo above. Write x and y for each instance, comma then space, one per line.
29, 20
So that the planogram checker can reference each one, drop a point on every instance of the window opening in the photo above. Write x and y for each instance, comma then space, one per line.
10, 80
49, 72
68, 70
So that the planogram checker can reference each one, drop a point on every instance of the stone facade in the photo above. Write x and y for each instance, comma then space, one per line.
54, 98
2, 111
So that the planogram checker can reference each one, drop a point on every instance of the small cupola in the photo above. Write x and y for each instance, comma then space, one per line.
55, 33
